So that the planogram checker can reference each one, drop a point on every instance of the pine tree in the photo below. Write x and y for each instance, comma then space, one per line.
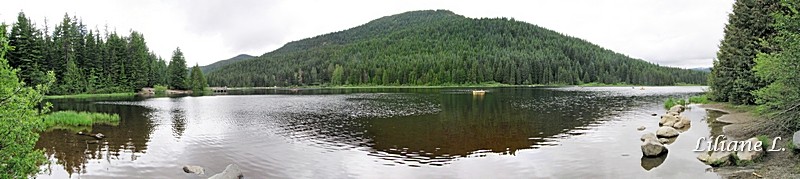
198, 81
28, 50
177, 71
732, 78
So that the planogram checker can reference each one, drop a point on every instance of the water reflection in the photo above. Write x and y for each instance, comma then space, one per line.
352, 133
123, 142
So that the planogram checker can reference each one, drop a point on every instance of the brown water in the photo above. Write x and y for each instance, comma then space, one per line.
383, 133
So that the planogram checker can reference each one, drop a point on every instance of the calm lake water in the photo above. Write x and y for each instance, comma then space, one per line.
569, 132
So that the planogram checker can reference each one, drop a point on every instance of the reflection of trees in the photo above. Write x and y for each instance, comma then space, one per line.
122, 142
178, 122
500, 122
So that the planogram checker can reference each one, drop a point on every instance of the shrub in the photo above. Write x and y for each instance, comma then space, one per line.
160, 89
701, 99
673, 101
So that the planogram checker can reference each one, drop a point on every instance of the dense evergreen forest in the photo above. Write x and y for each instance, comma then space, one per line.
440, 47
759, 61
88, 61
216, 65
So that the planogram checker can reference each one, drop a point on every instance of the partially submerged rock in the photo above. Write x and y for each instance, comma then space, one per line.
231, 172
641, 128
667, 131
648, 136
668, 120
682, 122
653, 148
719, 158
749, 154
98, 135
194, 169
677, 108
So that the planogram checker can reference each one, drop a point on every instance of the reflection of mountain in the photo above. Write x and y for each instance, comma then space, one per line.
123, 142
503, 121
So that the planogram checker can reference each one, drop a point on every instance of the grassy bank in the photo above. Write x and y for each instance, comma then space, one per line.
85, 96
70, 119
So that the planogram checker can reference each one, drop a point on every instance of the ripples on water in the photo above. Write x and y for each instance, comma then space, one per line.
283, 135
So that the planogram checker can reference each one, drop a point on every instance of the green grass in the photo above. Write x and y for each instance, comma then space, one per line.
765, 141
85, 96
72, 119
673, 101
701, 99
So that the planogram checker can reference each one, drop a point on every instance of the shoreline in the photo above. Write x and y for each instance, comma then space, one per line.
451, 86
741, 123
84, 96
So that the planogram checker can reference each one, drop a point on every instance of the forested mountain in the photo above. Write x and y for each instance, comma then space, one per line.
440, 47
216, 65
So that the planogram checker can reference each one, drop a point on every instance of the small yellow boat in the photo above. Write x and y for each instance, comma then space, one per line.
478, 92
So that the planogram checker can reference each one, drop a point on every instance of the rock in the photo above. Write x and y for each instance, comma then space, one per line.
682, 122
194, 169
641, 128
703, 157
796, 140
99, 136
654, 114
80, 133
666, 131
665, 141
673, 114
668, 120
748, 154
648, 136
92, 141
652, 148
231, 172
719, 158
677, 108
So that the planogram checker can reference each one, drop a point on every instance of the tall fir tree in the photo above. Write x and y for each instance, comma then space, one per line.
732, 78
198, 80
28, 52
177, 71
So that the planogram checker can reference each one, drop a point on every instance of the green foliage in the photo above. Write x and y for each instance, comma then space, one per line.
219, 64
700, 99
440, 47
160, 89
82, 60
86, 96
19, 118
673, 101
198, 81
780, 100
732, 78
765, 141
177, 71
72, 118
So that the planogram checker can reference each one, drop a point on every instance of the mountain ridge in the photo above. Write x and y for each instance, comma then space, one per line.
434, 47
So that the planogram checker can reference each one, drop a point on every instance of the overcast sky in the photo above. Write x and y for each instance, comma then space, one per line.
682, 33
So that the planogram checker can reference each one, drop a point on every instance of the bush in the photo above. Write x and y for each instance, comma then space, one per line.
160, 89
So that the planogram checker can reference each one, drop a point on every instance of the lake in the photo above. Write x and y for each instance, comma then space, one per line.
521, 132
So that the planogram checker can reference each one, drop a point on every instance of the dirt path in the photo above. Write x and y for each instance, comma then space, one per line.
742, 125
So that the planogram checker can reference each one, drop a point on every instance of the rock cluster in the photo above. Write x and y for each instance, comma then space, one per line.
653, 143
725, 158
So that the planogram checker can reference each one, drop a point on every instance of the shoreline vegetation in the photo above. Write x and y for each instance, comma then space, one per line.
77, 121
162, 91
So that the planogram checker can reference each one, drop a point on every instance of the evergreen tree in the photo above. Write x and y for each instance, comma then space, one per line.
28, 52
732, 78
198, 81
177, 71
